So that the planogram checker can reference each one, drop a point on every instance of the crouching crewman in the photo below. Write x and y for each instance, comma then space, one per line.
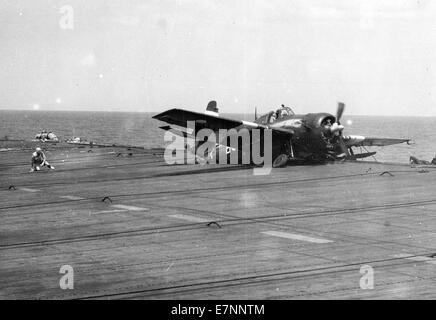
39, 160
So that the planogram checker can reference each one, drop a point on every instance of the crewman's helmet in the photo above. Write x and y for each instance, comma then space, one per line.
38, 149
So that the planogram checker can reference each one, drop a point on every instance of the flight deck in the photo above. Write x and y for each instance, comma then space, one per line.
131, 226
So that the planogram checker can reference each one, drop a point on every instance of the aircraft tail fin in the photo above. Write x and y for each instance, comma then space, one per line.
212, 109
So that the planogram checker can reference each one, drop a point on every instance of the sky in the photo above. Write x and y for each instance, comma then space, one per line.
379, 57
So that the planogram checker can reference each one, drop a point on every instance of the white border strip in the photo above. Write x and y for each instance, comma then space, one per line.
294, 236
29, 189
130, 208
72, 197
188, 218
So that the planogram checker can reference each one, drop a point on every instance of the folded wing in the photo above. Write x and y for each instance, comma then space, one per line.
212, 120
180, 117
361, 141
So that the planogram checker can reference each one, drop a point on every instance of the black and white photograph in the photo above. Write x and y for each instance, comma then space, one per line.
227, 153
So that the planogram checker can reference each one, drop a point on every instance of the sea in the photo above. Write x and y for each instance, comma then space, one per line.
140, 129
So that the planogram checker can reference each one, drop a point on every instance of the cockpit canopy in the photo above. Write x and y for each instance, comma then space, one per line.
273, 116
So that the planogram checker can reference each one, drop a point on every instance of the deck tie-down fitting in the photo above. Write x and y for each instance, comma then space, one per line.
106, 198
214, 223
386, 172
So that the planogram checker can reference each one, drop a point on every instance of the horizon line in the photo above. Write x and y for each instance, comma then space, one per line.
132, 111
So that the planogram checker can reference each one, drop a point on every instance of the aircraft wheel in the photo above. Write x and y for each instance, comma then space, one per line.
280, 161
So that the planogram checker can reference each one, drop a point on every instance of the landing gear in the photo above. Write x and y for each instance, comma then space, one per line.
286, 154
280, 161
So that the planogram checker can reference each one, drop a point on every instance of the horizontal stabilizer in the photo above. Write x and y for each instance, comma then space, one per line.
212, 109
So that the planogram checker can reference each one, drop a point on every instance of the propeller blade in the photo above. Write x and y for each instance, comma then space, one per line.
339, 111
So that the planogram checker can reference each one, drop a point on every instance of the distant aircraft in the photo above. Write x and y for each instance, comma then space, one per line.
313, 137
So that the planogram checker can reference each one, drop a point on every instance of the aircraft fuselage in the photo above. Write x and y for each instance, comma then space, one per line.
311, 136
